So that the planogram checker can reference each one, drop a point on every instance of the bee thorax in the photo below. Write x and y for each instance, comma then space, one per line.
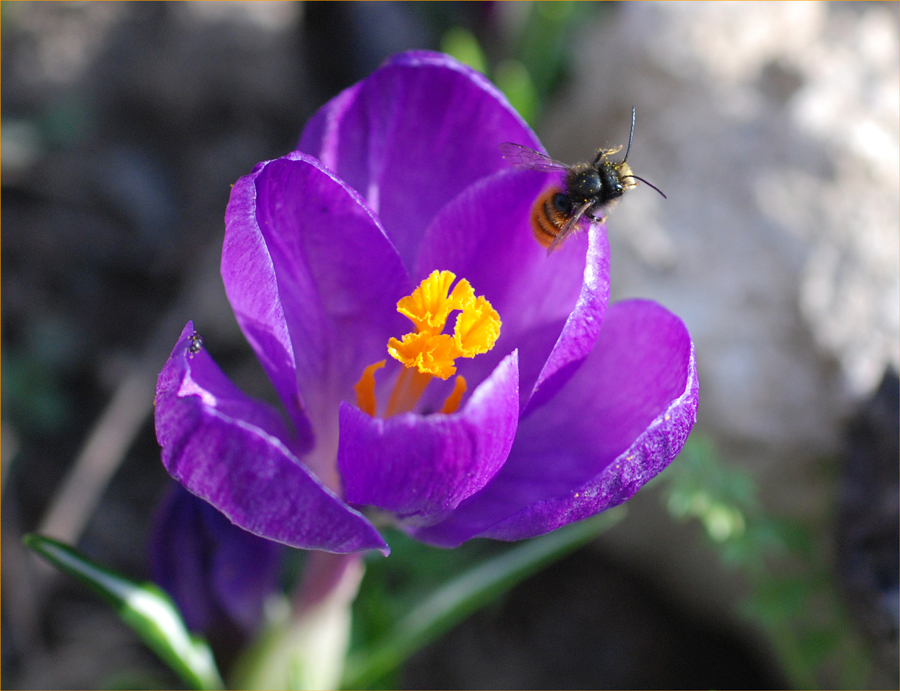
585, 184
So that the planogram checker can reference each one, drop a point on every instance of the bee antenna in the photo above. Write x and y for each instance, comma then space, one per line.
649, 184
630, 137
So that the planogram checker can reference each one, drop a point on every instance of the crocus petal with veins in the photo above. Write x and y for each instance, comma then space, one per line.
236, 454
314, 282
412, 136
421, 469
612, 428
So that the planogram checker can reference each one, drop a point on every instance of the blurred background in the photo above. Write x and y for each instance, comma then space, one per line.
765, 557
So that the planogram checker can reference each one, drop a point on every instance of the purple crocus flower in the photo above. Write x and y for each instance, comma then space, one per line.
559, 409
219, 575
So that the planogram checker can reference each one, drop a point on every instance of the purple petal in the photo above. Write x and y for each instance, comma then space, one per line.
314, 282
421, 466
551, 306
614, 426
249, 277
412, 136
211, 568
234, 452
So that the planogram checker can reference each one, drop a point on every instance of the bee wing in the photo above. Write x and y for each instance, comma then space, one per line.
523, 157
569, 226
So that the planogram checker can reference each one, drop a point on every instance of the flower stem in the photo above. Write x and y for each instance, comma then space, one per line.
307, 650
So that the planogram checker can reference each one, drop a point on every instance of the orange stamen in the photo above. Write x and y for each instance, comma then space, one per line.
365, 389
452, 402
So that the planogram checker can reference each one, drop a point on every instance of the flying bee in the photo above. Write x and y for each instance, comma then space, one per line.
589, 189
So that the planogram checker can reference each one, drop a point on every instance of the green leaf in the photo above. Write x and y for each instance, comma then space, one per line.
461, 43
468, 592
514, 80
144, 607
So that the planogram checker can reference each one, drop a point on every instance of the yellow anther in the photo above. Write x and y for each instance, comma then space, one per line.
365, 388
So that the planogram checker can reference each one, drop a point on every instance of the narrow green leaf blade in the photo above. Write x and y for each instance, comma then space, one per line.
465, 594
144, 607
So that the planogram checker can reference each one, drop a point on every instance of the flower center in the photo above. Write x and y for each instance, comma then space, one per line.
428, 352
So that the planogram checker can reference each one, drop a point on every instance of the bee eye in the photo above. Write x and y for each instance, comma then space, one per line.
562, 203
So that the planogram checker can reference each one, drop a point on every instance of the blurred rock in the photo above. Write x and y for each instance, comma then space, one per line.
773, 129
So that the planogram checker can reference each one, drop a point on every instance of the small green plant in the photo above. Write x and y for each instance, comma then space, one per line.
794, 594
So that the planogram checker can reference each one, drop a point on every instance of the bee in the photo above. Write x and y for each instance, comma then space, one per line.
589, 189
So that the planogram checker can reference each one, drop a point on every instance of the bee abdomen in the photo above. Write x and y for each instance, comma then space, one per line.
548, 214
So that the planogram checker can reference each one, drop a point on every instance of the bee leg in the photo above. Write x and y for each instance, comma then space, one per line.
603, 153
599, 219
